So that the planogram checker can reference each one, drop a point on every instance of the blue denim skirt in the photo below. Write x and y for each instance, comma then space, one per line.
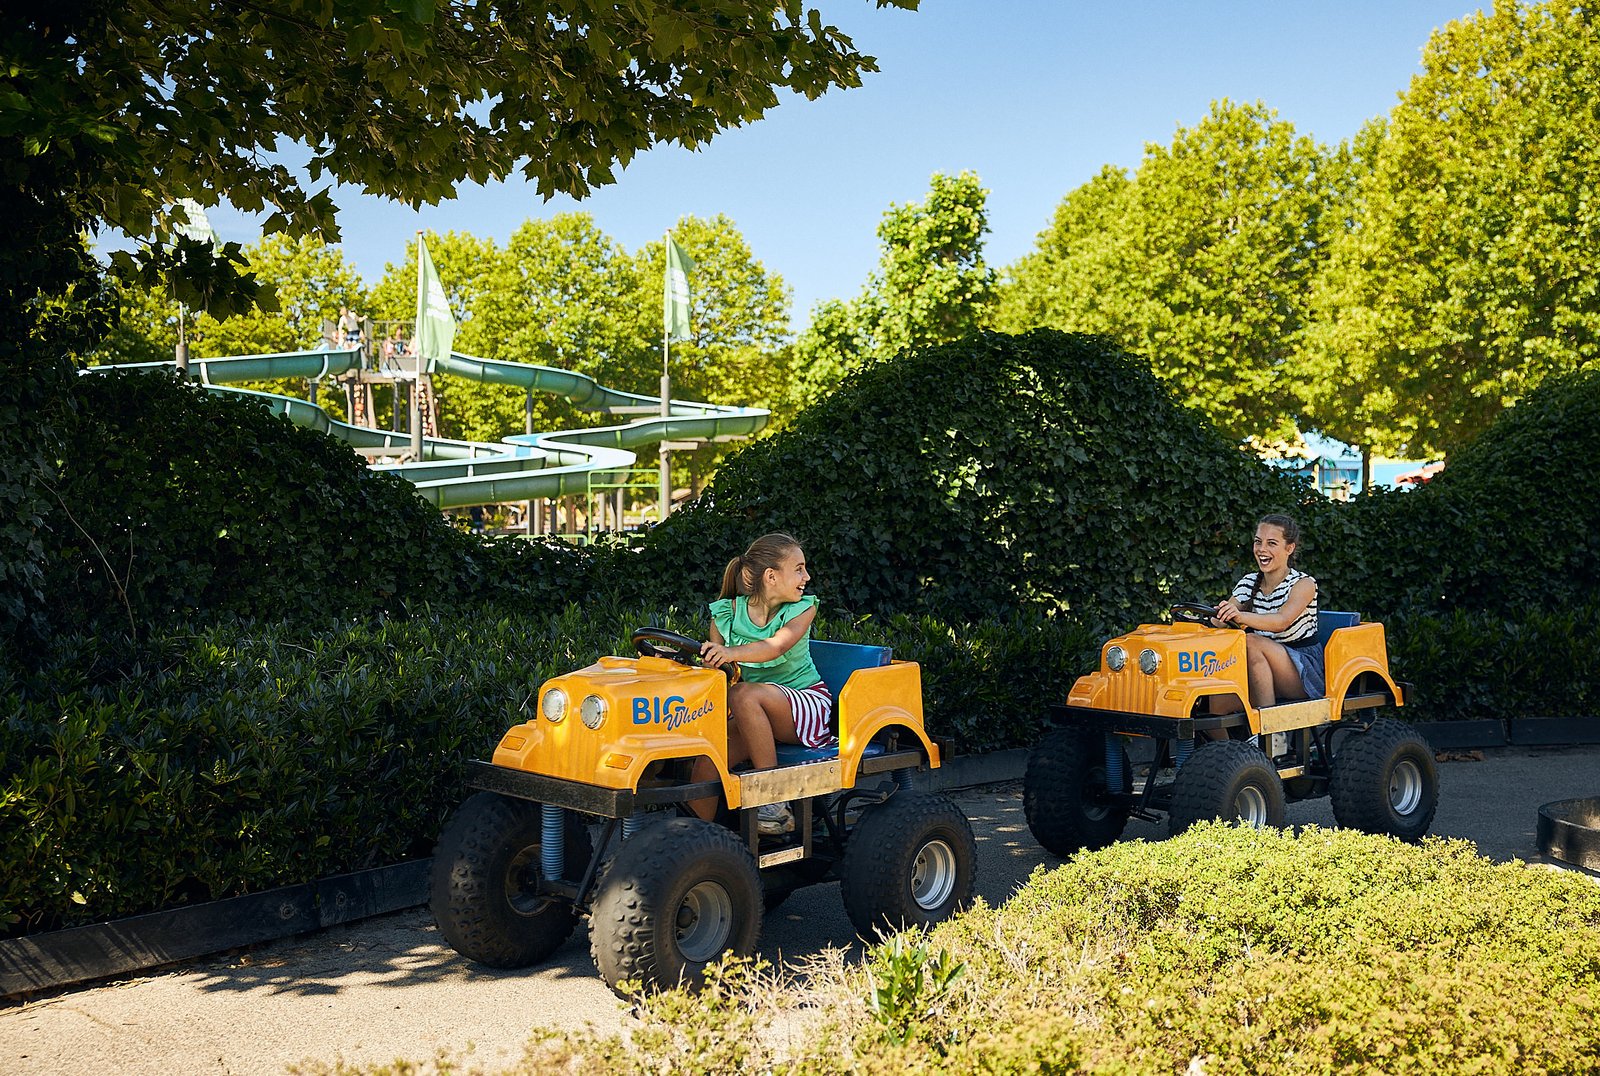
1308, 663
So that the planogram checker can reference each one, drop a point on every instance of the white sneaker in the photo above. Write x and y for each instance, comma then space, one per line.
773, 819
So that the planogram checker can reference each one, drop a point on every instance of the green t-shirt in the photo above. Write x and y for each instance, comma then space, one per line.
794, 667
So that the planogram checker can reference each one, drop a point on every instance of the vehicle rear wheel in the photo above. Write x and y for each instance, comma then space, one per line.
1227, 779
1064, 794
1385, 781
908, 862
675, 898
484, 886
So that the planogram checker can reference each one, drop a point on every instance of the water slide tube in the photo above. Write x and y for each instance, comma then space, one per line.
524, 467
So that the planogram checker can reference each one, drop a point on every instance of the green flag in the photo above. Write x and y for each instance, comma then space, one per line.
436, 327
676, 292
197, 227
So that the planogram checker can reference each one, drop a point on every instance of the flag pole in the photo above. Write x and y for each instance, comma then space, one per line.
416, 384
666, 395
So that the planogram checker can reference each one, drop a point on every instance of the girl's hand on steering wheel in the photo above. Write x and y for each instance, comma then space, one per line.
1227, 611
713, 655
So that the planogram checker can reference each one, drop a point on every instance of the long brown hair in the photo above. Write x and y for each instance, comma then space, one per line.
743, 574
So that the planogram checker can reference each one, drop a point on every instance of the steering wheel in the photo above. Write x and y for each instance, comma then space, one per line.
654, 642
1193, 612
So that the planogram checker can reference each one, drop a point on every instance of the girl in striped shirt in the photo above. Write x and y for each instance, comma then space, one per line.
762, 621
1278, 602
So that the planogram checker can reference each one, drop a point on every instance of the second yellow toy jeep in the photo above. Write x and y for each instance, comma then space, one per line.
612, 749
1153, 693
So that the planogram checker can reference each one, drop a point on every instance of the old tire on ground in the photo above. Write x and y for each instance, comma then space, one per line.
484, 887
1227, 779
1385, 781
909, 862
673, 900
1064, 790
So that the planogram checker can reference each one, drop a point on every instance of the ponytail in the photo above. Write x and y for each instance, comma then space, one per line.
732, 577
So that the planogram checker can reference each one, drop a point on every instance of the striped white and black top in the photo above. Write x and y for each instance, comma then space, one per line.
1304, 629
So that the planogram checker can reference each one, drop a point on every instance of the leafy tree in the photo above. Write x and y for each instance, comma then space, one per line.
739, 316
1201, 262
560, 294
931, 286
1468, 276
311, 281
176, 99
113, 111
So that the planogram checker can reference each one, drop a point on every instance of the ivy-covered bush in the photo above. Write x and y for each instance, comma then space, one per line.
1510, 527
174, 504
1224, 951
234, 758
1043, 471
1531, 663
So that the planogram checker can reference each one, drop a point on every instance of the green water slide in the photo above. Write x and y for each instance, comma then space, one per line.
452, 473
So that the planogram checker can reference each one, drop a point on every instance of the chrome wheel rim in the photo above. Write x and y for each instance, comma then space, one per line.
1405, 787
933, 875
1250, 806
704, 922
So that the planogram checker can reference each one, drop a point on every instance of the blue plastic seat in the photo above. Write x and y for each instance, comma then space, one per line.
1329, 621
835, 662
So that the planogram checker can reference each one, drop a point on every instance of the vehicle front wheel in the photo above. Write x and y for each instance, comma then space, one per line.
1064, 794
908, 862
676, 897
1385, 781
1227, 779
484, 886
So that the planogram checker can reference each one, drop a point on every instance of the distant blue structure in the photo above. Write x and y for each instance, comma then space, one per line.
1334, 468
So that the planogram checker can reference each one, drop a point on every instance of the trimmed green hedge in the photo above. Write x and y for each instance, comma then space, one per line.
1046, 471
174, 504
990, 508
236, 758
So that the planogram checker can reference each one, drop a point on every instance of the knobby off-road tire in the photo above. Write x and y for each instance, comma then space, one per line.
1064, 790
676, 897
1227, 779
484, 885
1385, 781
909, 862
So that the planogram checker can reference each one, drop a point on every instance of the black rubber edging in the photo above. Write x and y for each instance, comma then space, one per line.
1518, 732
79, 954
1569, 830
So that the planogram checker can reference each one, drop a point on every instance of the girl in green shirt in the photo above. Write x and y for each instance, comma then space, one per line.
762, 622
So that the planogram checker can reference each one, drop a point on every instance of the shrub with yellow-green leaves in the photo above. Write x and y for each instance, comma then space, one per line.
1222, 951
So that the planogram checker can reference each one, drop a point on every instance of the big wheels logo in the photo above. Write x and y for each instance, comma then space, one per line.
1201, 661
670, 712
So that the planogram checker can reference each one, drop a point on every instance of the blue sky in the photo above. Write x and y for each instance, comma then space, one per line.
1035, 96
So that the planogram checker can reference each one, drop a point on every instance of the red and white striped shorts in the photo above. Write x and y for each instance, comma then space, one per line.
813, 714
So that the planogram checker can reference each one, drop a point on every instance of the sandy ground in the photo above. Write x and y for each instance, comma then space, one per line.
387, 988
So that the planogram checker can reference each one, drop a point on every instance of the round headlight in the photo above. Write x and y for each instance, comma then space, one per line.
593, 711
554, 704
1116, 658
1149, 662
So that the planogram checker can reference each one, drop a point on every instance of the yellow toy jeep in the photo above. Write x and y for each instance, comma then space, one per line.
1153, 694
613, 748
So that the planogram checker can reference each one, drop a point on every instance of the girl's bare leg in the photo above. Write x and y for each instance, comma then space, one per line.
764, 718
1272, 674
759, 718
705, 770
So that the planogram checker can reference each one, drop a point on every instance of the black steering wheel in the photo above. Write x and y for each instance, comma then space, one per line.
655, 642
652, 642
1193, 612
